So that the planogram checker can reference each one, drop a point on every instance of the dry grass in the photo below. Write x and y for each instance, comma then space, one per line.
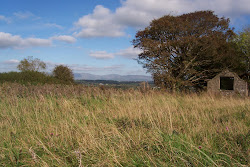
55, 125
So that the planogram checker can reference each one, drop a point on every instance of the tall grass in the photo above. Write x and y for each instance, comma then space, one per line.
55, 125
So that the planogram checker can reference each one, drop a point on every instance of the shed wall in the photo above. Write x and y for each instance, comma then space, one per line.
240, 86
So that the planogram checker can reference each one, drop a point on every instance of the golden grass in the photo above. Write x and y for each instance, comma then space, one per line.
54, 125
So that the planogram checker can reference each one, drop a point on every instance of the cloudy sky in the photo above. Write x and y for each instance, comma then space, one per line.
92, 36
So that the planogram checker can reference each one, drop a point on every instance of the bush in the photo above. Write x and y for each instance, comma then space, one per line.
25, 77
63, 73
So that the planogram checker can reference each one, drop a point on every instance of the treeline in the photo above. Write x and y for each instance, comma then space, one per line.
32, 77
30, 72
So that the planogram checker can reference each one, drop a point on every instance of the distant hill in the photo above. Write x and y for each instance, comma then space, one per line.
114, 77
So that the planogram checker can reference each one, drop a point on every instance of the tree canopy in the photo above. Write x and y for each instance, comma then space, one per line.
242, 41
186, 50
31, 64
63, 73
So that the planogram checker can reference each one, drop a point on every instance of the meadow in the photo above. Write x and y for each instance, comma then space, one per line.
76, 125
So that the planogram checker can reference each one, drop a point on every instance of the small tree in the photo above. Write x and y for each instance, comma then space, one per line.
30, 64
63, 73
242, 41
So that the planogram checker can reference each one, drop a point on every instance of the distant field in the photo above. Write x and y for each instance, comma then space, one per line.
113, 84
56, 125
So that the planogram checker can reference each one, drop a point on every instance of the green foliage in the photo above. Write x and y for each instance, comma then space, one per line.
63, 73
32, 77
30, 64
185, 51
242, 40
30, 74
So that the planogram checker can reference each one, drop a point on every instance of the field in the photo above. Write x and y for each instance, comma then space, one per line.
56, 125
114, 84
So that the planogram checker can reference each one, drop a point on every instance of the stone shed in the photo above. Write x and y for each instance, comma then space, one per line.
227, 83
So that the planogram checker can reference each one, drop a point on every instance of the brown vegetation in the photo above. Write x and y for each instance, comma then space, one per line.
185, 51
55, 125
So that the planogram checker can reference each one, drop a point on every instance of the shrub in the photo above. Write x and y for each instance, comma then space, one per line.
63, 73
25, 77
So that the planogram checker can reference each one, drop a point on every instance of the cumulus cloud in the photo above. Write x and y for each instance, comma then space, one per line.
138, 14
99, 24
8, 40
14, 41
101, 55
64, 38
130, 52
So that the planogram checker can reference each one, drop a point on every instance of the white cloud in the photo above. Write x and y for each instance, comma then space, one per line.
130, 52
78, 68
53, 25
138, 14
8, 40
35, 42
3, 18
64, 38
99, 24
26, 15
11, 65
87, 68
101, 55
11, 61
14, 41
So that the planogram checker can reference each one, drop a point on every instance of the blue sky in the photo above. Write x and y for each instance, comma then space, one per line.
92, 36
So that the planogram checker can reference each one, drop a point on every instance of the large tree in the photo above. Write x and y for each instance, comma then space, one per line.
184, 51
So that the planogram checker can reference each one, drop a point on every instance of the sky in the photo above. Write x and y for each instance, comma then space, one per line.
93, 36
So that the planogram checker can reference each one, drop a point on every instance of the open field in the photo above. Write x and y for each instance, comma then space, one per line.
114, 84
55, 125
